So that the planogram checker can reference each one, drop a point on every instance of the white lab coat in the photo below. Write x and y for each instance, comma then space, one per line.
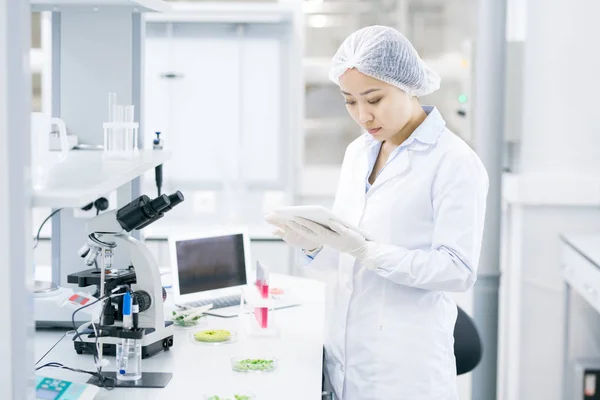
389, 330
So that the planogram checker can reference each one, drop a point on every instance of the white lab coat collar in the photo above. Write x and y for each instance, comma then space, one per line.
425, 136
427, 133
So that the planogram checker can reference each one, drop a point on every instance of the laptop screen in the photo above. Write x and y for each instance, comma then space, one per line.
210, 263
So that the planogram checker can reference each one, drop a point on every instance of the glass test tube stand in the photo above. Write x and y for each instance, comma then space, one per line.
120, 140
255, 312
120, 132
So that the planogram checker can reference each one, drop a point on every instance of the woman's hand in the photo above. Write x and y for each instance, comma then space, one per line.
290, 236
336, 236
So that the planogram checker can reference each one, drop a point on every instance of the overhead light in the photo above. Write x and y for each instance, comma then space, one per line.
319, 21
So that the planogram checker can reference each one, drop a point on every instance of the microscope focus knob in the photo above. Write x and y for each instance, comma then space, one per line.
143, 299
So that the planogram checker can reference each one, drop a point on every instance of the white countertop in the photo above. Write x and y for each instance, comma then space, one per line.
199, 369
588, 245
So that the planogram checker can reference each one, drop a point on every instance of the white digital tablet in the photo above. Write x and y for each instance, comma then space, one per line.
318, 214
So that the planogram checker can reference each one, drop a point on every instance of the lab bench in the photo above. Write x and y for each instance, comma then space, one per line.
580, 259
204, 369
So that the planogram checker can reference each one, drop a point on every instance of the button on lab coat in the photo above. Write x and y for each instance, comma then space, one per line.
390, 323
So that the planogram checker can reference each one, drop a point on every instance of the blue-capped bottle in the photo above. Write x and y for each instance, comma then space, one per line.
129, 351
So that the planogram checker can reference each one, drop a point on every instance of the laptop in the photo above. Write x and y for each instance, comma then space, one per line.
210, 268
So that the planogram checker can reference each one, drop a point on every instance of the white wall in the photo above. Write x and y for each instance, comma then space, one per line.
556, 191
561, 70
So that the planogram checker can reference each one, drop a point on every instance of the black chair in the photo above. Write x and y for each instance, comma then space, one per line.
468, 349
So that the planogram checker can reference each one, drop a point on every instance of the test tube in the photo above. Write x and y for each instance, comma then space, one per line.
129, 113
112, 103
129, 130
109, 133
119, 131
106, 139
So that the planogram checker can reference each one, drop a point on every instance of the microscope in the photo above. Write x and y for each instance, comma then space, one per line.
141, 278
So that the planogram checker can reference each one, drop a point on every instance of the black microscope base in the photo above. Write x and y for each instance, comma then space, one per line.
111, 349
148, 380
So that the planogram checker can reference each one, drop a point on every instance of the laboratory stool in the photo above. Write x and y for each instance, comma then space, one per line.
468, 348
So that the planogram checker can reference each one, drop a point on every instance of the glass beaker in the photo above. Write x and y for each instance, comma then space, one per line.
129, 360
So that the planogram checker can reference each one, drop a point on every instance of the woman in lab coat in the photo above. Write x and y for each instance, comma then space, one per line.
420, 191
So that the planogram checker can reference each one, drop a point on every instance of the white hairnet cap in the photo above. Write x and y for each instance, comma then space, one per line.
384, 53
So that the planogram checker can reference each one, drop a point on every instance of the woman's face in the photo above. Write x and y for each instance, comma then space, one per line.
381, 109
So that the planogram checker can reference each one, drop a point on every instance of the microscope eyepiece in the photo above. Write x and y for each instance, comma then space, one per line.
142, 211
175, 199
160, 203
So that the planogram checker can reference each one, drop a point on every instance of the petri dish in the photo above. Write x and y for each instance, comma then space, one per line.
196, 321
253, 364
189, 323
213, 337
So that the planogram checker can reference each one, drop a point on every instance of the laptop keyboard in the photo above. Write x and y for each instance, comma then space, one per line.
219, 302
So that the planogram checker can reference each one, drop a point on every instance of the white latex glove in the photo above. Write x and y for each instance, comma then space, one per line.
337, 237
290, 236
